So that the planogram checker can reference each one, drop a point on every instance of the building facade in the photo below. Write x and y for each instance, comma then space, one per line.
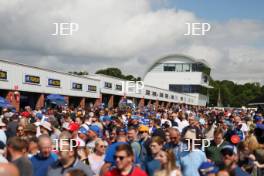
26, 85
182, 74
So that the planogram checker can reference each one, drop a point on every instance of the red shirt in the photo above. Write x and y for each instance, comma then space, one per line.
135, 172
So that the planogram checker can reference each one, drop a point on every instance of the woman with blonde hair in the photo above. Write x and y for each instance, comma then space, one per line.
168, 166
96, 159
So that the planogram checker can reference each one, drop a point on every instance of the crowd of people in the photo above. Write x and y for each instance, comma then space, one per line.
124, 141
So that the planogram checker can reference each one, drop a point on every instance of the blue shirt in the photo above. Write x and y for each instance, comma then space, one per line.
41, 164
190, 161
152, 166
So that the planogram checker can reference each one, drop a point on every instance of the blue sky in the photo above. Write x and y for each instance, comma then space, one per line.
220, 10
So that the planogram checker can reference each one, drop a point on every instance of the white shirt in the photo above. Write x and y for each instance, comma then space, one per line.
181, 124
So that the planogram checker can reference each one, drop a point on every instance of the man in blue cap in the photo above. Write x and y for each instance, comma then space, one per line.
229, 154
94, 133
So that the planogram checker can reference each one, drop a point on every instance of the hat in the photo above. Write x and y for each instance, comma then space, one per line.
207, 168
229, 150
120, 130
143, 128
83, 129
39, 115
95, 129
46, 125
73, 127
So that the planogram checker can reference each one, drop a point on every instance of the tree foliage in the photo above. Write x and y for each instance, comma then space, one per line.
79, 73
115, 72
232, 94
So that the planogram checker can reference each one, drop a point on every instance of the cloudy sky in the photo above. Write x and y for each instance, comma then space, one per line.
132, 34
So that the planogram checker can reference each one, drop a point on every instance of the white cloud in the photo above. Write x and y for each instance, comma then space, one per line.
126, 34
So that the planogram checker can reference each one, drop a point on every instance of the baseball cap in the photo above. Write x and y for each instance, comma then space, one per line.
228, 150
83, 129
95, 129
207, 168
143, 128
73, 127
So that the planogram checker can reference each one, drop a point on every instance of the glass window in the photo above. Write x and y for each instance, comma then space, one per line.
154, 93
178, 67
108, 85
186, 68
118, 87
147, 92
169, 67
161, 94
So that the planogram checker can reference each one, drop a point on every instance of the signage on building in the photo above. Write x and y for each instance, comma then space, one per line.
31, 79
3, 75
91, 88
54, 82
76, 86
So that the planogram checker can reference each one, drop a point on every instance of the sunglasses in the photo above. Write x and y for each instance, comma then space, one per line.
141, 132
227, 152
102, 146
121, 158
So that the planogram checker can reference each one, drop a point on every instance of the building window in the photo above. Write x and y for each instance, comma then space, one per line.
118, 87
172, 97
91, 88
161, 94
108, 85
154, 94
169, 67
147, 92
166, 95
178, 67
3, 75
186, 68
76, 86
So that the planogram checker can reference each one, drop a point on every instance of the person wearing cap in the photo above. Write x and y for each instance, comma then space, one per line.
82, 136
94, 133
208, 169
229, 155
144, 140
